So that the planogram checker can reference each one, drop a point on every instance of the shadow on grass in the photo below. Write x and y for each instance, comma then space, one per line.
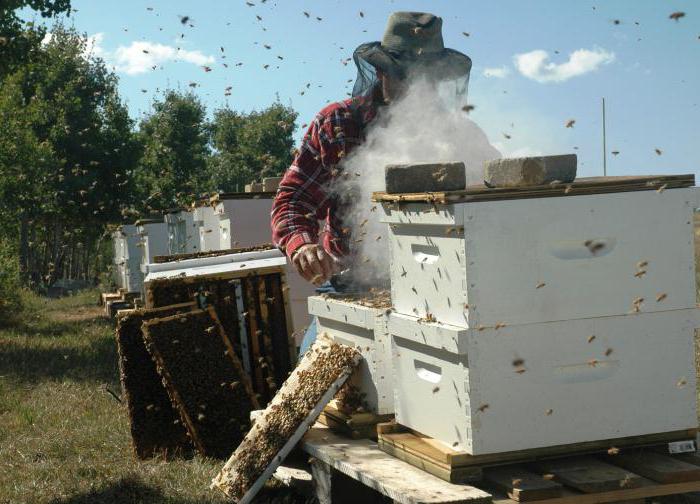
34, 363
131, 490
127, 490
56, 328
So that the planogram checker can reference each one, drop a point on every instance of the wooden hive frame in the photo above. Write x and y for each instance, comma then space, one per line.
155, 426
253, 307
204, 378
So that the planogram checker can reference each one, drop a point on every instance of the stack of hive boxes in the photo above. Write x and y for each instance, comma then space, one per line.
531, 322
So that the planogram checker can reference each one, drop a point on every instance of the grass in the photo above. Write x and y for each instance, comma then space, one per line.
63, 437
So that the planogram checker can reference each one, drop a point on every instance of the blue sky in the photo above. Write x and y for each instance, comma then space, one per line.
646, 65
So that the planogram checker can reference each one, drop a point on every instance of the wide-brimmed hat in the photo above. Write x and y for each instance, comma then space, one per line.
412, 43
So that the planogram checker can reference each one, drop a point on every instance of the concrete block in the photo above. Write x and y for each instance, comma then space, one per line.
530, 171
254, 187
425, 177
270, 184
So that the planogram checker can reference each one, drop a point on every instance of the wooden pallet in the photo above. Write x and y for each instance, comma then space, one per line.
359, 467
355, 426
609, 471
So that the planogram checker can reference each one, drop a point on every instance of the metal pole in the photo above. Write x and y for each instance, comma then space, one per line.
605, 157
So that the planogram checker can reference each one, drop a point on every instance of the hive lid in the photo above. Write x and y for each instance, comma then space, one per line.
582, 186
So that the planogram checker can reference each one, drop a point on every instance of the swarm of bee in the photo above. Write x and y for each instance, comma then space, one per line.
321, 366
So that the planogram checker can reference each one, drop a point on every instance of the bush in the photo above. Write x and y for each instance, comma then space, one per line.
10, 285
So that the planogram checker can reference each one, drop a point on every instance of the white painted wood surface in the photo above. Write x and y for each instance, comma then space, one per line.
207, 225
128, 258
154, 240
537, 385
582, 251
362, 460
183, 236
364, 328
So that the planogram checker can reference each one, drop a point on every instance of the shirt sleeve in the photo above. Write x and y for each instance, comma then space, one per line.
302, 199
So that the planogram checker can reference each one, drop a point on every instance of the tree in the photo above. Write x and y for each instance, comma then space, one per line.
20, 40
175, 139
250, 146
71, 174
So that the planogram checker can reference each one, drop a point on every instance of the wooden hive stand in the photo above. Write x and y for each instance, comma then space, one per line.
346, 469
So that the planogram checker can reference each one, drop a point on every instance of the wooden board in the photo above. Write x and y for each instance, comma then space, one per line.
362, 460
426, 447
643, 492
661, 468
522, 485
592, 185
589, 474
356, 425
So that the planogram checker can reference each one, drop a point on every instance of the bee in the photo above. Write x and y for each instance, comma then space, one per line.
518, 362
642, 264
608, 352
549, 412
593, 362
516, 482
613, 450
540, 285
483, 407
660, 297
436, 390
640, 273
662, 188
681, 383
499, 325
548, 477
570, 123
591, 338
676, 15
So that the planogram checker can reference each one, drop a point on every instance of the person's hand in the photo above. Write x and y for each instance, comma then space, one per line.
314, 264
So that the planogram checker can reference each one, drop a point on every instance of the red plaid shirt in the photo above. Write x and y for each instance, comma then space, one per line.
302, 199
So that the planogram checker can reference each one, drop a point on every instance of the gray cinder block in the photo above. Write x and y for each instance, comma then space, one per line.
270, 184
530, 171
425, 177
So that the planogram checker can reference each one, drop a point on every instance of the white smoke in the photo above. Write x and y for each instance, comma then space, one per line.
427, 124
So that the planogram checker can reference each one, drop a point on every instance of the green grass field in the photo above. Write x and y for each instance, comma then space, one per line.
63, 437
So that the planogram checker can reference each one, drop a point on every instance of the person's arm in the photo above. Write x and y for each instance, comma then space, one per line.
302, 200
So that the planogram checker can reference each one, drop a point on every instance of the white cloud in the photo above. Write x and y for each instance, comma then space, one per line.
535, 65
139, 57
497, 73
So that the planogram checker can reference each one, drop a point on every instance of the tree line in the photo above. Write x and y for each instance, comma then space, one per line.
74, 163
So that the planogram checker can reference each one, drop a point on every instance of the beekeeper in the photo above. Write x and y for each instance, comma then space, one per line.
412, 46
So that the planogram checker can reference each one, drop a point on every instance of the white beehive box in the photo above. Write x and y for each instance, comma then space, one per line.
183, 237
524, 261
243, 220
364, 327
539, 385
207, 224
153, 236
127, 258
